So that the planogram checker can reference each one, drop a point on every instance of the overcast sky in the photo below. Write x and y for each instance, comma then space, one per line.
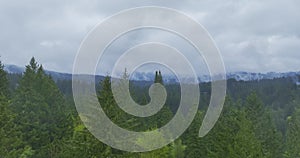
252, 35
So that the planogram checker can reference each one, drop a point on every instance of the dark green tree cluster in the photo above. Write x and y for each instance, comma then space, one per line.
124, 120
11, 144
158, 78
4, 91
230, 137
242, 131
41, 112
292, 145
38, 119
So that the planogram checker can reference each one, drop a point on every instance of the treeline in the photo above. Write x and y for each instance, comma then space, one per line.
38, 119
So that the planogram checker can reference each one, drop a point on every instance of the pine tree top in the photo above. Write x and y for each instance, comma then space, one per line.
158, 77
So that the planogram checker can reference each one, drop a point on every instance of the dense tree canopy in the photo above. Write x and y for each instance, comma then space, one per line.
38, 119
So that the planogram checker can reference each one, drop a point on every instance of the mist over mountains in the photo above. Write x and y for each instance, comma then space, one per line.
148, 76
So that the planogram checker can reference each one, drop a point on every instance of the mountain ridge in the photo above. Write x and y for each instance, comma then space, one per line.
147, 76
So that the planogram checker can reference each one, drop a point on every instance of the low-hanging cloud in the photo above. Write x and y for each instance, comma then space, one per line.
257, 36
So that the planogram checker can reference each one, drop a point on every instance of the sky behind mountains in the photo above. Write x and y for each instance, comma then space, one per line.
252, 35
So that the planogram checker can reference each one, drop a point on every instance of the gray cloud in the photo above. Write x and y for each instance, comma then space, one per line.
255, 35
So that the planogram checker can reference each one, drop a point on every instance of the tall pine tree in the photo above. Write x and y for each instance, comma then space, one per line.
293, 135
11, 144
264, 127
41, 110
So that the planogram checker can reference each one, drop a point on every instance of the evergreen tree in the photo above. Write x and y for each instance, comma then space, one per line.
232, 136
158, 78
177, 149
84, 144
114, 112
10, 142
35, 120
3, 81
293, 135
164, 152
195, 146
245, 143
264, 127
41, 110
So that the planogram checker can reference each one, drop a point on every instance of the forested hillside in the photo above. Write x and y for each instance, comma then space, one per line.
38, 119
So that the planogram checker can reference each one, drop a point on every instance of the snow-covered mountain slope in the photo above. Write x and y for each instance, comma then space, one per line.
13, 69
148, 76
246, 76
239, 76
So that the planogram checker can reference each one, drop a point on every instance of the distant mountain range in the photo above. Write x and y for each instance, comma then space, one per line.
142, 76
55, 75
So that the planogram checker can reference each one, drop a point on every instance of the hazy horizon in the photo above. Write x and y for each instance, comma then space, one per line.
252, 36
146, 72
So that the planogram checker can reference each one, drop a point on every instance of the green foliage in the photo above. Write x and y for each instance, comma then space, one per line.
236, 134
293, 135
195, 146
42, 111
28, 152
163, 152
10, 141
3, 81
84, 144
177, 149
38, 120
264, 127
160, 153
245, 143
